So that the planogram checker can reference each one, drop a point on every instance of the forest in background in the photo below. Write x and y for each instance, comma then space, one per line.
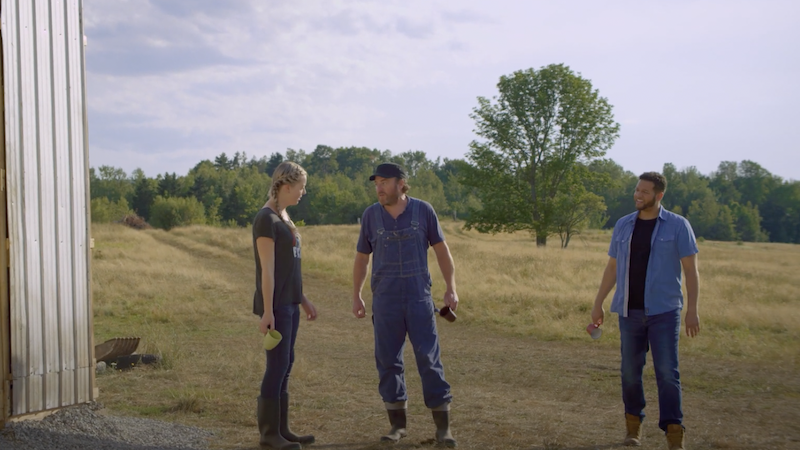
740, 201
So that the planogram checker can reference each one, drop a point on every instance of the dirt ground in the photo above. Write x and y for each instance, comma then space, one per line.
520, 393
510, 391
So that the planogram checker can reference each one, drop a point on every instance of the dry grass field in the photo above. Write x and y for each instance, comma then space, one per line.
525, 375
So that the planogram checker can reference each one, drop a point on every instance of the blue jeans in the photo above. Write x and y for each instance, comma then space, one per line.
659, 333
392, 319
281, 358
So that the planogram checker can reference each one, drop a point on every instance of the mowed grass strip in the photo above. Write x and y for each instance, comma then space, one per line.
525, 375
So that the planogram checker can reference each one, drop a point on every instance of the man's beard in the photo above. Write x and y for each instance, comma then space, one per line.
389, 199
647, 205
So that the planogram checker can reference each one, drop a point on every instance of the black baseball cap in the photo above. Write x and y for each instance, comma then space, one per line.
388, 170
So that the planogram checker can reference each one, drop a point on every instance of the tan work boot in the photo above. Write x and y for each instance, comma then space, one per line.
634, 426
675, 435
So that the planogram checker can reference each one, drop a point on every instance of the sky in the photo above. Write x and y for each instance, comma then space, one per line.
693, 83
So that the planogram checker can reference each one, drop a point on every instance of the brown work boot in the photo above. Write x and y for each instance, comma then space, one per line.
675, 433
634, 426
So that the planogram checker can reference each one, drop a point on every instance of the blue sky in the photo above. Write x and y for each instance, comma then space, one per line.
172, 82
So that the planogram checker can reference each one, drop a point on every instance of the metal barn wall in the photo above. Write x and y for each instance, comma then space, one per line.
47, 179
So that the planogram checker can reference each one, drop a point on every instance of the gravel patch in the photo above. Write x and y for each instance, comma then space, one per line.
86, 427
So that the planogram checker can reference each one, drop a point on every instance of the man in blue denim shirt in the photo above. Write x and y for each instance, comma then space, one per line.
397, 231
651, 245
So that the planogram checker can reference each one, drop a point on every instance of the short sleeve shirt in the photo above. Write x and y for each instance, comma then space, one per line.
672, 239
288, 278
426, 215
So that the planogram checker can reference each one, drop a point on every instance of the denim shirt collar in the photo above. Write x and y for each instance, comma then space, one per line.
662, 215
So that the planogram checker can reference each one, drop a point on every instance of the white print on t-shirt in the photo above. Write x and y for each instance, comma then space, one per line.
296, 248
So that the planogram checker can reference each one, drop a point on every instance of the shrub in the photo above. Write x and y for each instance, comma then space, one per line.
171, 212
106, 211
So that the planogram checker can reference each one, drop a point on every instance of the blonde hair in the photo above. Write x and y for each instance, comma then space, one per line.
287, 172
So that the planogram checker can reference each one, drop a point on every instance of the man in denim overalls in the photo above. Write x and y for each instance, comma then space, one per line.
397, 231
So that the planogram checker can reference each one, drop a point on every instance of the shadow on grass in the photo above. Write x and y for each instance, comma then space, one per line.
372, 445
588, 447
405, 445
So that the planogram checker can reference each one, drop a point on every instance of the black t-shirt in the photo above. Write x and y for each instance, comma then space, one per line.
640, 255
288, 279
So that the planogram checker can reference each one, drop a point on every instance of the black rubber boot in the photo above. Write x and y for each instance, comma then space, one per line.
443, 435
285, 431
269, 424
397, 418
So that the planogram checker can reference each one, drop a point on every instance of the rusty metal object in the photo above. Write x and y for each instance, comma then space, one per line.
112, 349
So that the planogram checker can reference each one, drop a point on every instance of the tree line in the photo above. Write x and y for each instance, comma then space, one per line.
538, 165
229, 190
739, 201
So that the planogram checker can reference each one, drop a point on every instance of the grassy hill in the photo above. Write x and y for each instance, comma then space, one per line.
525, 374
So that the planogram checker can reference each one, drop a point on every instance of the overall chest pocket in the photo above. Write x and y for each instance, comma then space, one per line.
401, 246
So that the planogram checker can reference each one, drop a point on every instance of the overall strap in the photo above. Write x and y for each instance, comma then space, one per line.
414, 212
377, 208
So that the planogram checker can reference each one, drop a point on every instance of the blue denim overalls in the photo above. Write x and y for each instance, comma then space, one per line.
402, 303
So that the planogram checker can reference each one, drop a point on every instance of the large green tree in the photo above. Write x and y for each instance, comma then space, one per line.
542, 123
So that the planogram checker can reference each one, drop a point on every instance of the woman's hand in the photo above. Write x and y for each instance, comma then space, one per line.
308, 308
267, 322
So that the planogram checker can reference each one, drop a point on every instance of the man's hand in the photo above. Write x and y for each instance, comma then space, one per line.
359, 309
451, 300
598, 315
692, 323
267, 322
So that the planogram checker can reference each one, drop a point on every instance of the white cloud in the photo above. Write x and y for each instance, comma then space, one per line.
177, 81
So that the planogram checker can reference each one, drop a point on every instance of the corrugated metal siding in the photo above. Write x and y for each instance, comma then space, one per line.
46, 159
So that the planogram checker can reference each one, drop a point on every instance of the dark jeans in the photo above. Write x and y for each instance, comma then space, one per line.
281, 358
658, 333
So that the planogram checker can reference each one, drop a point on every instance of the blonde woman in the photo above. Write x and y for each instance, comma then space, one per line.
278, 298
